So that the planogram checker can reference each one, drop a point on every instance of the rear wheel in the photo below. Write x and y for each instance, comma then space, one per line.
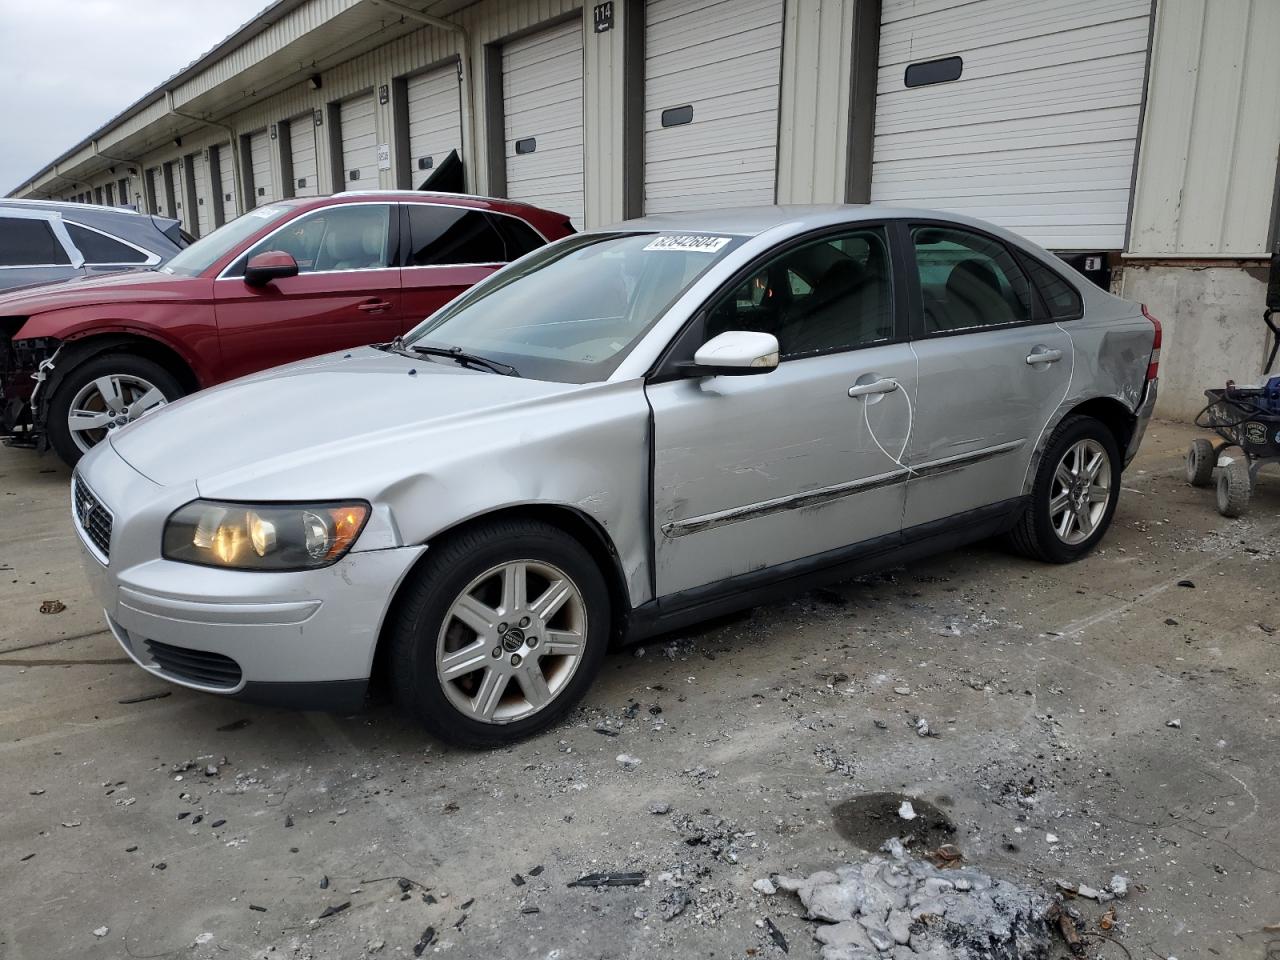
100, 396
1200, 463
1075, 493
1235, 487
500, 633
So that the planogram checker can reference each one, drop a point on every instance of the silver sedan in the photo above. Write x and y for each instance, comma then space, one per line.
622, 433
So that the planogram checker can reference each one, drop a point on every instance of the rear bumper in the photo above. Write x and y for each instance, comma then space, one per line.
1145, 410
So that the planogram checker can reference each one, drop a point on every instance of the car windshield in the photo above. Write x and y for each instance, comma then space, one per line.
205, 252
572, 311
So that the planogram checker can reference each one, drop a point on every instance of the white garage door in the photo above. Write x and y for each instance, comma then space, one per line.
302, 153
542, 109
227, 182
359, 144
204, 193
155, 177
435, 120
1039, 131
264, 190
711, 84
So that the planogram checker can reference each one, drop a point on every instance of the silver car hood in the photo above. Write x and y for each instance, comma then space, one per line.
308, 428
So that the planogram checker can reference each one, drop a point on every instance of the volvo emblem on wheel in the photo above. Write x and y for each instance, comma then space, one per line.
513, 639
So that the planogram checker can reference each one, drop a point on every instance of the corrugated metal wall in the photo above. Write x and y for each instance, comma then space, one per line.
1206, 170
1207, 163
814, 117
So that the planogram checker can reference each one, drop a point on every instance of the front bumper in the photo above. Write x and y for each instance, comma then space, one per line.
1145, 410
303, 639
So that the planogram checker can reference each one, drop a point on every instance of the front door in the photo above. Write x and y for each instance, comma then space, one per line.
992, 373
346, 293
755, 471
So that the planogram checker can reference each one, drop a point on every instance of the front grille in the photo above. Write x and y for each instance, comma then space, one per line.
92, 517
197, 666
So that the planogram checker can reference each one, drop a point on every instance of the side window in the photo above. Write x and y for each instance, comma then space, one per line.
1061, 298
28, 243
440, 235
349, 237
832, 294
98, 248
519, 237
968, 281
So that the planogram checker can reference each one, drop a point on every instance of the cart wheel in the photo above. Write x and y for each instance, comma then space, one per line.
1235, 486
1200, 463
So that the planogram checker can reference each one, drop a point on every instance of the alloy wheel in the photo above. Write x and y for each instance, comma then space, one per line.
1080, 492
106, 404
511, 641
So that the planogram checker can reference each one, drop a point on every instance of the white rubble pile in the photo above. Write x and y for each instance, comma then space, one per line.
897, 907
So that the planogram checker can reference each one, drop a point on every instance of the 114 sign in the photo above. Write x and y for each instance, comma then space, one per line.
603, 14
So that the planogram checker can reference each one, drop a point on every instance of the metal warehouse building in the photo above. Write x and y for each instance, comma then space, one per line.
1138, 138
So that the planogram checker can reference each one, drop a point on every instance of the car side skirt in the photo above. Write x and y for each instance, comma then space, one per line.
787, 579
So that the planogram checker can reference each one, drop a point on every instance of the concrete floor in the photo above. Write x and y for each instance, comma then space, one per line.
1053, 684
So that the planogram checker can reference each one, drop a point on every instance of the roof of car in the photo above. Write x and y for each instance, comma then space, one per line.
753, 221
67, 206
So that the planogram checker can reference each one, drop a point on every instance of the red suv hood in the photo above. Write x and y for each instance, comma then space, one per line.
138, 285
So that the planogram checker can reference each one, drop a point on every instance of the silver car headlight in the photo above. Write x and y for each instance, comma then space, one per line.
267, 536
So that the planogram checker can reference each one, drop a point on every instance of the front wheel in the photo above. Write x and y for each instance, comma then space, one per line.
1235, 487
1074, 497
500, 633
100, 396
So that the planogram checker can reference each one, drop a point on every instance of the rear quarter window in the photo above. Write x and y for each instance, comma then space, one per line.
1061, 300
99, 248
518, 236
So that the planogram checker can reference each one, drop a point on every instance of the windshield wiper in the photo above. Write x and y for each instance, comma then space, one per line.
458, 354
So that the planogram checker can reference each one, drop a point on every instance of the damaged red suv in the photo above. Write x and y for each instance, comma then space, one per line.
288, 280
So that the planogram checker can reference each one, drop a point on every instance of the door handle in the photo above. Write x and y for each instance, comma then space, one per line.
875, 386
1044, 356
375, 306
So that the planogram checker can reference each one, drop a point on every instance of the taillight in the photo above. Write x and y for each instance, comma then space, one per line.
1153, 368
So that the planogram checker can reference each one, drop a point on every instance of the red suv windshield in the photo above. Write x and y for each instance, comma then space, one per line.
206, 251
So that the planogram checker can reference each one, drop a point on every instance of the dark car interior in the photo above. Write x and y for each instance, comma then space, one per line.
823, 296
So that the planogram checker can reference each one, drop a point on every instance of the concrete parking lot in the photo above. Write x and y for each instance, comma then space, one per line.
1115, 716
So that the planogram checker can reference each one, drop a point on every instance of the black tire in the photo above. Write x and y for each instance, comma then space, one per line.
1235, 488
1033, 535
425, 601
1200, 463
103, 365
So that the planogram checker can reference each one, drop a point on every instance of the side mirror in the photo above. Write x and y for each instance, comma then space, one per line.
272, 265
734, 353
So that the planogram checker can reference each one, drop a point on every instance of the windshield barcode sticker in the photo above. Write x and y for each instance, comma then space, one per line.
693, 243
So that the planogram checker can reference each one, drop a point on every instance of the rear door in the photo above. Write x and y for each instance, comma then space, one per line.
992, 371
753, 472
346, 293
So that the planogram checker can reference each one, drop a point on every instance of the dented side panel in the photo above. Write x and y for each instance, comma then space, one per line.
755, 471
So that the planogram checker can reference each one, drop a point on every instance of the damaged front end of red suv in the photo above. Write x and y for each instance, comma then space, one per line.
25, 366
